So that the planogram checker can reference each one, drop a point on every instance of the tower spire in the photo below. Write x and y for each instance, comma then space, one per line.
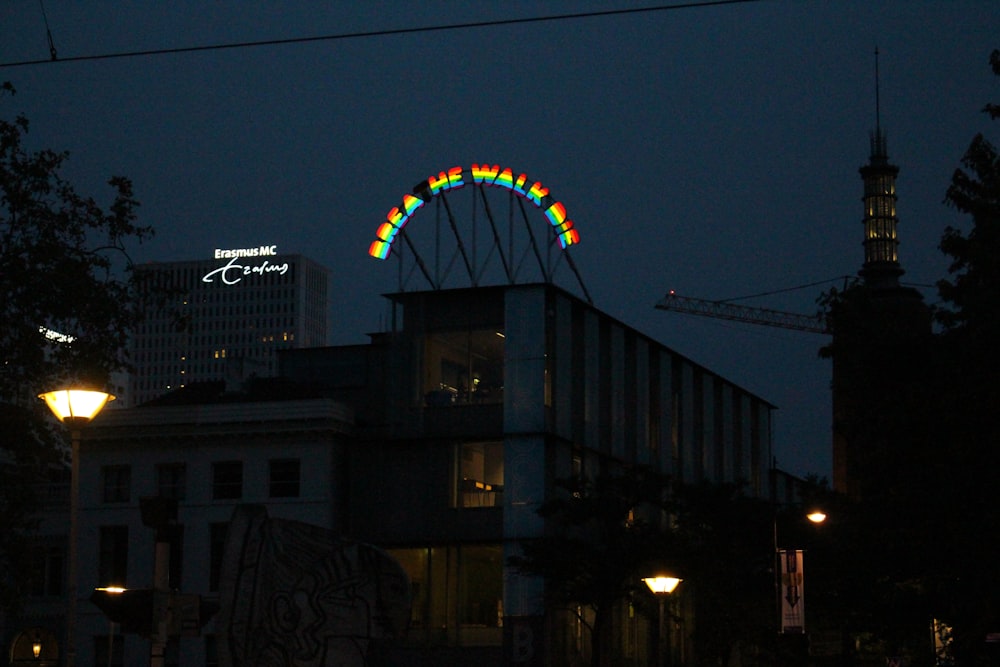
879, 146
881, 267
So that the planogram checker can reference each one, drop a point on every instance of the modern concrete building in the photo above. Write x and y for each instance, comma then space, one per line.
224, 318
437, 442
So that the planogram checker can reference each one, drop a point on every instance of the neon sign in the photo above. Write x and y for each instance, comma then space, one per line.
457, 178
233, 272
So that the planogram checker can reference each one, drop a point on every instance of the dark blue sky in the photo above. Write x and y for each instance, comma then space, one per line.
709, 150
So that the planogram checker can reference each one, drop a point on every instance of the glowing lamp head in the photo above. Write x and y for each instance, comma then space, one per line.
36, 649
662, 585
816, 516
76, 404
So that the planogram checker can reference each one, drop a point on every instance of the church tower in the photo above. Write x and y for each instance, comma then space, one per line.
881, 268
880, 330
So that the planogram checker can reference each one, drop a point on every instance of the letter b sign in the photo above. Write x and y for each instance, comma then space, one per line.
523, 640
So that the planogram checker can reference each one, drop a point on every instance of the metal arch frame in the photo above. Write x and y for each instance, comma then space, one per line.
512, 261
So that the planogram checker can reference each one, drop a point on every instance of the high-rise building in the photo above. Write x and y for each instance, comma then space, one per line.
223, 318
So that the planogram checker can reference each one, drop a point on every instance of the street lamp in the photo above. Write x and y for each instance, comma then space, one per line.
788, 580
662, 586
816, 516
75, 408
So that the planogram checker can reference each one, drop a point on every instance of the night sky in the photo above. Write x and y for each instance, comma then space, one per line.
711, 150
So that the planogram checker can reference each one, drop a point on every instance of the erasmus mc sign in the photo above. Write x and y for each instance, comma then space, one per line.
480, 174
237, 268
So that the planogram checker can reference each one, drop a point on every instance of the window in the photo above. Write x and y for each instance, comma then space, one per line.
109, 650
47, 578
464, 366
117, 480
175, 537
211, 651
216, 548
112, 559
227, 480
456, 592
170, 478
479, 468
284, 478
480, 593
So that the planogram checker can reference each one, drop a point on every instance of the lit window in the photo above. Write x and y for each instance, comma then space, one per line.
479, 468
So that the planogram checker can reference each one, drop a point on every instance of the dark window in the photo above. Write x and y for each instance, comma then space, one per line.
175, 536
284, 478
109, 650
172, 653
211, 651
227, 480
217, 545
112, 558
170, 480
117, 480
47, 578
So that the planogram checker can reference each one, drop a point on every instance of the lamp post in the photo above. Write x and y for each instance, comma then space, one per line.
75, 408
788, 573
662, 586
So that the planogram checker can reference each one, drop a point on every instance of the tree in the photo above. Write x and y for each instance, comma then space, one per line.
604, 534
596, 544
967, 592
69, 303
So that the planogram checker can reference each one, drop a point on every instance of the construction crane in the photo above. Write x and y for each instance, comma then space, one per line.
731, 311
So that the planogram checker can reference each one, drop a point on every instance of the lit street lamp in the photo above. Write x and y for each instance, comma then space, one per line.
662, 586
788, 581
75, 408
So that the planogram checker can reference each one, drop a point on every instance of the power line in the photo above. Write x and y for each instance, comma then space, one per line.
376, 33
782, 291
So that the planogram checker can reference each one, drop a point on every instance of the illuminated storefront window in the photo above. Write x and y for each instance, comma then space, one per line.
457, 594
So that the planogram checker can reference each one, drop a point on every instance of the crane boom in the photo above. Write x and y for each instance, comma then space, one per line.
738, 313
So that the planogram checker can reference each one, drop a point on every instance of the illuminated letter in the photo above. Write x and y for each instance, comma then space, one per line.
439, 183
411, 204
519, 185
379, 249
537, 193
485, 174
455, 178
386, 232
394, 218
505, 179
569, 238
556, 214
563, 227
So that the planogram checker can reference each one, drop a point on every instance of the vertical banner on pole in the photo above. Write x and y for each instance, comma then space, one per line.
791, 592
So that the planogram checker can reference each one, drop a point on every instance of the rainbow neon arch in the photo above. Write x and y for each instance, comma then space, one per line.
457, 178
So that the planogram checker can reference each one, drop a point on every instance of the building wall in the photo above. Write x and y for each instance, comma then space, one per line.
448, 478
311, 432
230, 327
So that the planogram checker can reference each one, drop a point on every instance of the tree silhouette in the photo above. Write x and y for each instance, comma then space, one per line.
69, 303
604, 534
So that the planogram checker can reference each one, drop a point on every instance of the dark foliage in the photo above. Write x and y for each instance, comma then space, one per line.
604, 534
63, 269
